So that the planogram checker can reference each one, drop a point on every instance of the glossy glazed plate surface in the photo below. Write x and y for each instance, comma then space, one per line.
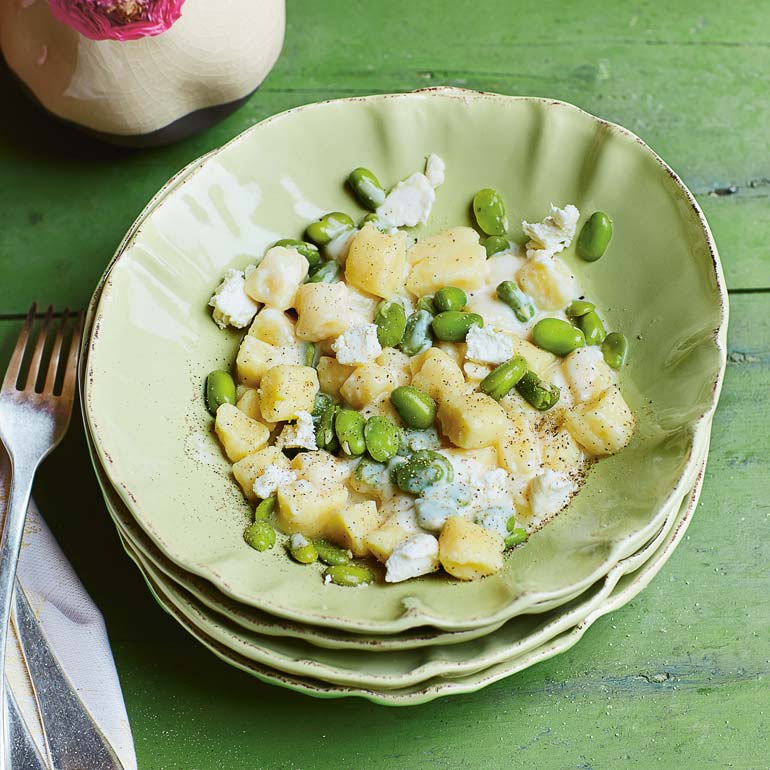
401, 668
625, 588
154, 340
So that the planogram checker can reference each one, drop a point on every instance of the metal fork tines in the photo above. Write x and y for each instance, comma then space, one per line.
36, 401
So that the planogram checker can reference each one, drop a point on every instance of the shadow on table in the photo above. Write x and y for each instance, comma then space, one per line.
31, 132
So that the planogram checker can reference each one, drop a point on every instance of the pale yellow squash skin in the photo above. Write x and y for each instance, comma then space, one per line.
518, 449
376, 261
239, 434
472, 420
603, 426
248, 403
277, 277
251, 467
323, 310
273, 327
286, 391
332, 375
548, 281
383, 541
255, 357
438, 375
350, 526
369, 381
451, 258
307, 508
467, 551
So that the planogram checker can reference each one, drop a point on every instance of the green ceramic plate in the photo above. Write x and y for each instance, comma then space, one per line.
400, 668
393, 671
201, 589
153, 340
522, 653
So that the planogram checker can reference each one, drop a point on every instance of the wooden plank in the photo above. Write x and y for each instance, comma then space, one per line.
691, 81
676, 679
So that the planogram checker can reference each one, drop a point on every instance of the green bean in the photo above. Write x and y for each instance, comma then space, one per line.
516, 536
381, 437
324, 412
310, 354
329, 227
331, 554
304, 553
489, 209
390, 318
415, 407
423, 469
350, 575
592, 327
417, 335
579, 307
308, 250
368, 477
594, 237
380, 224
557, 336
453, 325
349, 427
366, 187
220, 389
615, 349
495, 244
502, 379
260, 535
516, 300
394, 465
538, 393
426, 303
450, 298
265, 508
325, 272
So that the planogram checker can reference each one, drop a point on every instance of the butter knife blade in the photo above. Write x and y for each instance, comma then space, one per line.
24, 752
73, 738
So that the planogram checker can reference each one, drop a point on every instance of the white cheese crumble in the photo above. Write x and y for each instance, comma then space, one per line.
271, 479
554, 233
435, 170
491, 486
299, 435
549, 493
486, 346
495, 520
409, 203
298, 541
358, 345
232, 306
413, 557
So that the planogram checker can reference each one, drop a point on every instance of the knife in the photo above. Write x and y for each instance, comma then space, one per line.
73, 738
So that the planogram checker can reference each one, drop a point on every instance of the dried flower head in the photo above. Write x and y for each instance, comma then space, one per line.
117, 19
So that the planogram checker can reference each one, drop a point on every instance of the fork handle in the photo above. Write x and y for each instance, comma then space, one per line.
13, 531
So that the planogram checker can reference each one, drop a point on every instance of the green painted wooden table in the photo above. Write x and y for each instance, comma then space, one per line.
679, 678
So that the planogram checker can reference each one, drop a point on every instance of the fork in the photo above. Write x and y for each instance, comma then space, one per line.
35, 409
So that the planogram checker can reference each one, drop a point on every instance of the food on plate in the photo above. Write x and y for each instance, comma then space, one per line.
421, 401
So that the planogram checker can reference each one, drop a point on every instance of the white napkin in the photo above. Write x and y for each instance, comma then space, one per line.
75, 630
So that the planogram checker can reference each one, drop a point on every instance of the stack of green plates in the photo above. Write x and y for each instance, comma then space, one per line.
150, 342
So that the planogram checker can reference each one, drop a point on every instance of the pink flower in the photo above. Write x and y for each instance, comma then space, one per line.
117, 19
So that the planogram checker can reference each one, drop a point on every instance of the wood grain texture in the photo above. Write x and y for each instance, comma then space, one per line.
678, 678
689, 79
